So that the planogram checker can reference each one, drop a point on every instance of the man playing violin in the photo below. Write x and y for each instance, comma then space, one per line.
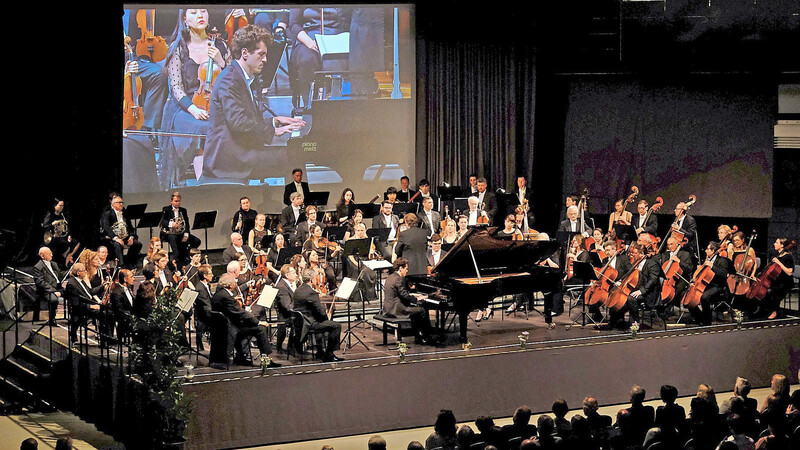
646, 290
474, 213
486, 200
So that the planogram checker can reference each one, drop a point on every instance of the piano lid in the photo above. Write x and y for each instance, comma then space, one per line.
493, 255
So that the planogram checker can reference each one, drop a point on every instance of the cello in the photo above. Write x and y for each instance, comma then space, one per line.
768, 276
598, 292
703, 276
672, 230
619, 296
743, 263
673, 272
207, 74
149, 45
132, 115
654, 207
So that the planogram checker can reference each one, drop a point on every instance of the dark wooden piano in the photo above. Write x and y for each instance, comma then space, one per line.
481, 267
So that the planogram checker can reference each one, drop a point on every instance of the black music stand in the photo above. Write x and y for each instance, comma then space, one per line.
285, 255
204, 220
135, 212
585, 271
369, 210
150, 220
359, 248
460, 205
401, 209
448, 192
625, 233
335, 233
317, 198
382, 234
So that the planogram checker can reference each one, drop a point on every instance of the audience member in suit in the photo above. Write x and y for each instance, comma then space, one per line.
520, 426
412, 244
670, 416
293, 214
179, 244
405, 193
638, 222
296, 185
46, 276
562, 425
397, 302
112, 215
641, 416
246, 216
122, 302
444, 431
306, 301
465, 437
598, 424
622, 435
489, 432
647, 288
385, 219
425, 192
548, 439
486, 201
237, 246
581, 438
303, 230
81, 298
202, 303
284, 302
429, 220
247, 325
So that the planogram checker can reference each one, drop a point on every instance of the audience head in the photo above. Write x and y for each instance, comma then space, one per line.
522, 415
546, 425
376, 442
416, 445
735, 424
742, 387
589, 405
64, 443
637, 394
560, 408
445, 423
529, 444
706, 392
669, 394
580, 427
465, 436
29, 444
780, 385
484, 423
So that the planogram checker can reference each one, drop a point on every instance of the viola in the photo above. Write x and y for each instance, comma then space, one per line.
446, 218
207, 74
743, 263
232, 24
132, 115
334, 247
149, 45
702, 277
770, 274
261, 264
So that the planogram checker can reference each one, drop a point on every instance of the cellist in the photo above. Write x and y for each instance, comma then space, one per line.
679, 256
619, 262
783, 283
684, 223
722, 267
646, 289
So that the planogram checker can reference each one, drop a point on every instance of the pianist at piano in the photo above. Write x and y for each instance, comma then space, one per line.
399, 302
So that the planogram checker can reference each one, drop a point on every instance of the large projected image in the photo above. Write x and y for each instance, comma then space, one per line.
218, 111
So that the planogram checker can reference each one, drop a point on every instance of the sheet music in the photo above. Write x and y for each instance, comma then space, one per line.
186, 300
346, 288
376, 264
267, 297
333, 43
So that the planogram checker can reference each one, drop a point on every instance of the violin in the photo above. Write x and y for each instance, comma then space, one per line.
261, 264
743, 263
768, 276
703, 276
329, 245
446, 218
132, 115
149, 45
482, 219
207, 74
232, 24
319, 283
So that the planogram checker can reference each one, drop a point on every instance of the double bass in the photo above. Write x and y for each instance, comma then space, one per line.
634, 193
767, 277
132, 115
703, 276
654, 207
743, 263
149, 45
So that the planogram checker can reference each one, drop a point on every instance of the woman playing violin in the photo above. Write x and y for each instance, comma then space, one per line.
298, 263
255, 235
322, 248
784, 282
190, 49
272, 257
723, 232
356, 218
510, 228
619, 215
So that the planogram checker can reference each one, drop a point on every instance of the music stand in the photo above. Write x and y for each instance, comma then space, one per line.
448, 192
369, 210
460, 204
359, 248
401, 209
335, 233
285, 255
382, 234
135, 212
204, 220
625, 233
317, 198
150, 220
345, 291
585, 272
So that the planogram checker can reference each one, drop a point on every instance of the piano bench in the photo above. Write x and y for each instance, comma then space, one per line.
396, 322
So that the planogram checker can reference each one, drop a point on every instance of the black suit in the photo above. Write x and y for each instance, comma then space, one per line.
47, 288
246, 324
179, 250
290, 188
649, 287
650, 227
432, 226
229, 254
490, 205
433, 197
122, 308
306, 301
412, 244
716, 290
429, 257
284, 303
202, 310
689, 230
80, 298
686, 266
288, 222
641, 419
566, 225
397, 302
238, 132
529, 197
379, 222
107, 221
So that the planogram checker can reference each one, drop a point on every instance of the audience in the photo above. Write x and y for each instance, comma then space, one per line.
376, 442
563, 426
29, 444
444, 431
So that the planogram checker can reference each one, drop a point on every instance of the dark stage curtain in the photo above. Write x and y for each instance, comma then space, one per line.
476, 112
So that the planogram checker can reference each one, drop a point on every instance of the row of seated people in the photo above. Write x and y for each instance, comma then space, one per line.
738, 423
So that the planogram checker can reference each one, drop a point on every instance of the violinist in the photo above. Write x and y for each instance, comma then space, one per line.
237, 245
425, 192
646, 290
299, 264
366, 275
119, 232
350, 226
175, 230
577, 252
91, 263
56, 227
307, 302
686, 224
430, 220
145, 299
386, 220
781, 286
242, 285
47, 277
510, 228
717, 289
450, 232
293, 214
245, 218
258, 232
296, 185
164, 276
487, 200
619, 215
304, 228
346, 206
474, 212
638, 219
323, 253
190, 50
679, 256
192, 270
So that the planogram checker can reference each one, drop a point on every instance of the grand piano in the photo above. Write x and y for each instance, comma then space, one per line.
481, 267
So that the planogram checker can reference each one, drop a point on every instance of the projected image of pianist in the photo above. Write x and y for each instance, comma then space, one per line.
240, 130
